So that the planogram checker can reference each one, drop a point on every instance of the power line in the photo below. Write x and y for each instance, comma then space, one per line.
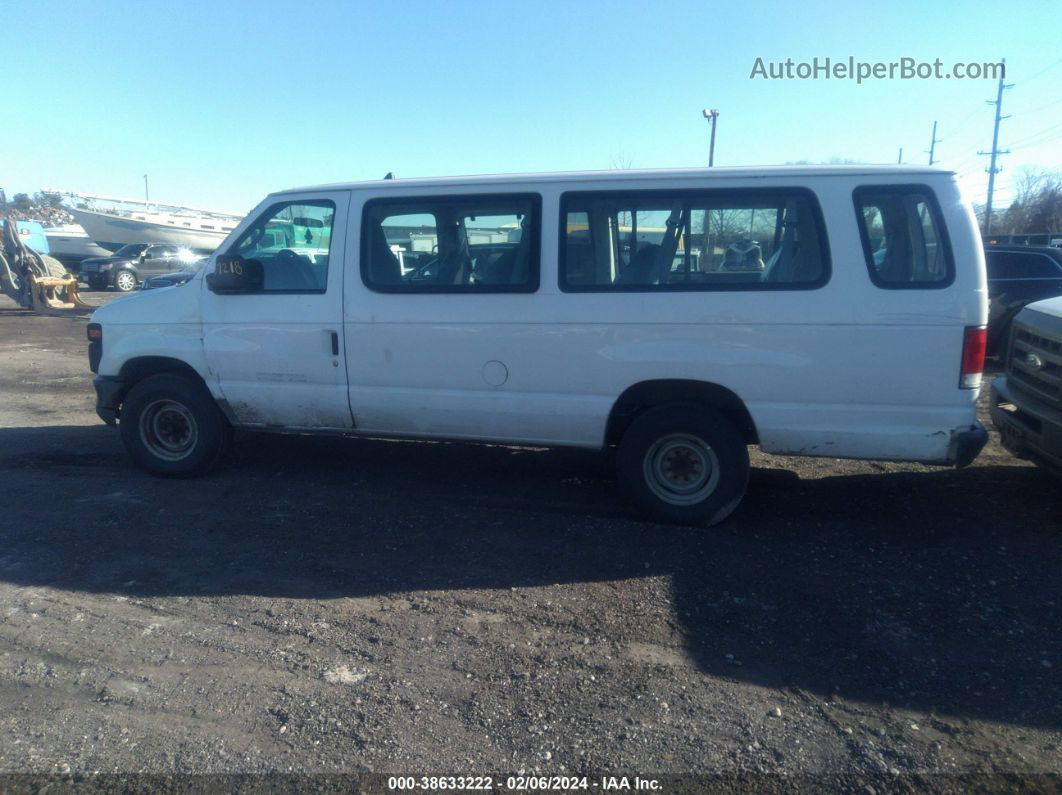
963, 133
1039, 108
1046, 135
965, 163
1047, 68
960, 125
1024, 141
1049, 139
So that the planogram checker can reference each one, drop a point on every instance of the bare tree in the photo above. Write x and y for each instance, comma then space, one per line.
620, 161
835, 160
1037, 204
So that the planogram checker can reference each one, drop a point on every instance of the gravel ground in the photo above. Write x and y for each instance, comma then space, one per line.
326, 605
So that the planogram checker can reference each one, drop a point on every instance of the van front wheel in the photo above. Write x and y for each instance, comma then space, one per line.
683, 464
171, 426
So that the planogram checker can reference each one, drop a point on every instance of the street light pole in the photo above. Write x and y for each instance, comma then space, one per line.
713, 116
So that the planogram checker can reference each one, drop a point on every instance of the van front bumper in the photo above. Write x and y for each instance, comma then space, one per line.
1029, 428
109, 393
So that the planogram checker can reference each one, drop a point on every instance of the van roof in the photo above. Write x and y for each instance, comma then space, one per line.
725, 172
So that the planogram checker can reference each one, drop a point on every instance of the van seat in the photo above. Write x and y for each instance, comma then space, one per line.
384, 267
642, 267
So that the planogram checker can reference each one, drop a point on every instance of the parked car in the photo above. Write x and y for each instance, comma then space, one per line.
172, 279
132, 263
1026, 403
544, 329
1017, 276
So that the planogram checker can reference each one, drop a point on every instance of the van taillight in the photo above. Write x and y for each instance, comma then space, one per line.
95, 332
974, 340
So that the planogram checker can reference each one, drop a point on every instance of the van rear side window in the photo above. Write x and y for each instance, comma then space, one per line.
651, 241
903, 237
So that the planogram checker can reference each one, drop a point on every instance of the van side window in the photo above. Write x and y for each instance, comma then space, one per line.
902, 237
451, 244
292, 241
691, 240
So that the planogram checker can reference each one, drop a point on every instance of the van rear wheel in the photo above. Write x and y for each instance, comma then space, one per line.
683, 464
171, 426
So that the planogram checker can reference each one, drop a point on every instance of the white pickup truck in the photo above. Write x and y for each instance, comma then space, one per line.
1026, 401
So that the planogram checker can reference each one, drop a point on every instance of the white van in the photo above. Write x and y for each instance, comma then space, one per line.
675, 316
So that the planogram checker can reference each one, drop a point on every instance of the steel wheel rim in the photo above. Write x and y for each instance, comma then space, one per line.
681, 469
168, 430
125, 281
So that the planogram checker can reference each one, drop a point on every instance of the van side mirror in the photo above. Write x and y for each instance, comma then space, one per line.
234, 275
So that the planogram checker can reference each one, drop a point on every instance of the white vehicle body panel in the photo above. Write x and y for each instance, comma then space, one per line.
272, 352
163, 323
845, 370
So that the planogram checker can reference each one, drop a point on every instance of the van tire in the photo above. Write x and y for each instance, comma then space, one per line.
683, 464
171, 426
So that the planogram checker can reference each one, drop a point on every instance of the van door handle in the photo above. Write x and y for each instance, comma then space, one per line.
335, 343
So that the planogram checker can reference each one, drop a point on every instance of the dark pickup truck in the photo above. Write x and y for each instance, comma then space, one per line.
1026, 402
1018, 275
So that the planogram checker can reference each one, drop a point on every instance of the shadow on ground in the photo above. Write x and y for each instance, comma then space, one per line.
937, 589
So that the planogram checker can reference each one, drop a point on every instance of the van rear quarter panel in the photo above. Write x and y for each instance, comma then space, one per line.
846, 370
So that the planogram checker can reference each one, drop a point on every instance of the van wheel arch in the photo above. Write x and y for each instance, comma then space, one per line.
172, 426
136, 370
646, 395
683, 463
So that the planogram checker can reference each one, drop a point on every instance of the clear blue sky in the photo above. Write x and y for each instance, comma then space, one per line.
221, 102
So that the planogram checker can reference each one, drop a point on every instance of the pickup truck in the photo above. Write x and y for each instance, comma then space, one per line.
1026, 402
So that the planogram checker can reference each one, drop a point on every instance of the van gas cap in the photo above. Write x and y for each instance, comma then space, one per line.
495, 373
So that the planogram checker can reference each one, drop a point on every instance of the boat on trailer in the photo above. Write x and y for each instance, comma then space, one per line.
70, 244
112, 222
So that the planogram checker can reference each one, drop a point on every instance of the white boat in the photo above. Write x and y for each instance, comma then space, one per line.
112, 222
70, 243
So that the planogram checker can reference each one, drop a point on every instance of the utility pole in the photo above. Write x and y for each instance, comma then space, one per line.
996, 151
713, 117
899, 157
933, 141
147, 198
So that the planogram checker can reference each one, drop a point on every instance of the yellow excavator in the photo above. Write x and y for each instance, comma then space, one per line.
36, 281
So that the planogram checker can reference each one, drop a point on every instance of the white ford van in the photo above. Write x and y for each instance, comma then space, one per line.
675, 316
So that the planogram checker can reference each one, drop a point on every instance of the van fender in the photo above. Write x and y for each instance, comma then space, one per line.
147, 351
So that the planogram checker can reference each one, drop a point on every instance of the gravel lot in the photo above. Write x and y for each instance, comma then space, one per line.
323, 605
